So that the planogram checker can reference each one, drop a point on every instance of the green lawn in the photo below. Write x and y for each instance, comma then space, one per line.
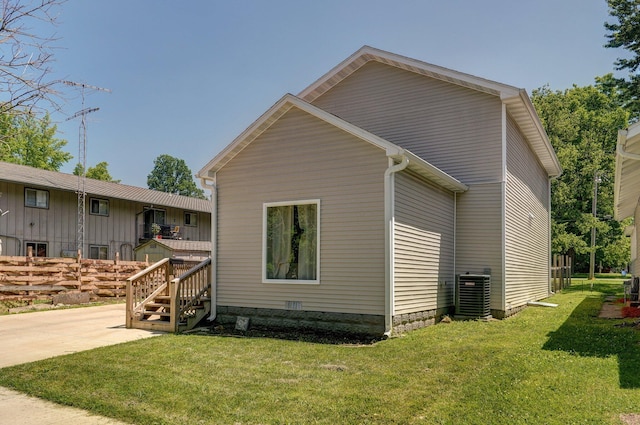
544, 366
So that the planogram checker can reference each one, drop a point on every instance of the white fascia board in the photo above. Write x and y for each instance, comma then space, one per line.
333, 72
633, 131
430, 172
271, 116
367, 53
524, 113
240, 142
617, 208
343, 125
440, 72
625, 197
541, 131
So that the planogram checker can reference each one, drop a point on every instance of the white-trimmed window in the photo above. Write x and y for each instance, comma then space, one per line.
291, 247
38, 249
190, 219
99, 206
98, 252
36, 198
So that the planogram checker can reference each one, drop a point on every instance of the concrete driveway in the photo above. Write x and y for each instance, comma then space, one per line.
35, 336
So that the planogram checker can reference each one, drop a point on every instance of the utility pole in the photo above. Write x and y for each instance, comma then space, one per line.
82, 158
594, 204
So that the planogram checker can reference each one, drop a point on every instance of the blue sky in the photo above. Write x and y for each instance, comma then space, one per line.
186, 77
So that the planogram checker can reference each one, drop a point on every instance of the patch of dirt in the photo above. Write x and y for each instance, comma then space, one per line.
630, 418
313, 336
611, 310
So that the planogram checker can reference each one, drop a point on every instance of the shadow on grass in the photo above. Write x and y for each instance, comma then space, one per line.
583, 334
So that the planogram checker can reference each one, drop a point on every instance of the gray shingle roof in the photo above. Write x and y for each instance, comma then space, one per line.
180, 245
35, 177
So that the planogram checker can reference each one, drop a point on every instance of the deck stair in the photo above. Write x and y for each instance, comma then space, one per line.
157, 300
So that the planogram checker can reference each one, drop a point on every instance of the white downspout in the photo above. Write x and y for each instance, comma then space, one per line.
214, 244
389, 220
455, 242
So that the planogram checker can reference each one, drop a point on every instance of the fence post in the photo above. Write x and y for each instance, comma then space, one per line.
554, 268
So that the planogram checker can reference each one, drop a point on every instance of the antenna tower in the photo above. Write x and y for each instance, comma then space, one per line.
82, 156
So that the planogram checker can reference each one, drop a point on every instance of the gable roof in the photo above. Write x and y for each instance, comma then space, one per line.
416, 164
516, 100
626, 192
45, 179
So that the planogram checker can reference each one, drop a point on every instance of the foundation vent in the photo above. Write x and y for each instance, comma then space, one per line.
293, 305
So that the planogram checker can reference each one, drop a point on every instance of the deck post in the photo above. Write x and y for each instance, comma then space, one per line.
173, 306
129, 308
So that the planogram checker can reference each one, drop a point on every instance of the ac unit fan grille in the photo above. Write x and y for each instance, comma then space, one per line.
473, 296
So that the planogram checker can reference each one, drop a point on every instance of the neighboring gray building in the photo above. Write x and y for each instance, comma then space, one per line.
358, 201
627, 187
43, 215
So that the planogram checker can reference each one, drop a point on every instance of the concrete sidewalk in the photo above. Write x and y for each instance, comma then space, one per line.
35, 336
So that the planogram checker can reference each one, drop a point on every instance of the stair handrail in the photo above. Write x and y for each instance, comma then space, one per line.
188, 290
143, 287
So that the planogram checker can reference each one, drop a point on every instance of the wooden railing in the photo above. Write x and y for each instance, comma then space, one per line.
189, 292
189, 295
144, 286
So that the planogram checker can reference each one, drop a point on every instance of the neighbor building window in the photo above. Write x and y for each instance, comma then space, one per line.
36, 198
98, 252
38, 249
190, 219
99, 207
291, 242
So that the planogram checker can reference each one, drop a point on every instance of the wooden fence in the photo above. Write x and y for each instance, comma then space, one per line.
560, 272
43, 278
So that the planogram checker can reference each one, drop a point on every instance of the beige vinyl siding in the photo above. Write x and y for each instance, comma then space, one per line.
479, 236
454, 128
526, 223
303, 158
423, 233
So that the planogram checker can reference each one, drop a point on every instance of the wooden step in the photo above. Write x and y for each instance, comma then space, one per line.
157, 313
156, 305
168, 298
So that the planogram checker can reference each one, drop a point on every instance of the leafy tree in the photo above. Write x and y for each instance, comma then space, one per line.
582, 124
26, 57
28, 140
172, 175
624, 32
99, 172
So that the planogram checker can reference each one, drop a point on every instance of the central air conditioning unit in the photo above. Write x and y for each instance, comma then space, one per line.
473, 296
